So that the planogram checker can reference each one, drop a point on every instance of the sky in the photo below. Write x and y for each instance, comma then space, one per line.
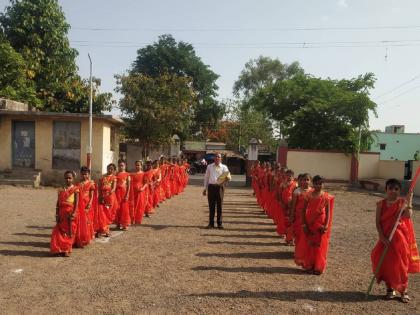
329, 38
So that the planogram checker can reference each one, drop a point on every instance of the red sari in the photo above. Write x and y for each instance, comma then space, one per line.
300, 246
85, 230
123, 209
64, 232
167, 181
403, 256
286, 197
156, 191
138, 198
149, 191
105, 213
316, 244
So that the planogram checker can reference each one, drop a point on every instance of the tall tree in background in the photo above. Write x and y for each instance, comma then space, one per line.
156, 108
14, 82
262, 72
320, 114
240, 125
179, 58
37, 31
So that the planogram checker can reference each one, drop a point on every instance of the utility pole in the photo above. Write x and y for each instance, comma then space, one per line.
89, 151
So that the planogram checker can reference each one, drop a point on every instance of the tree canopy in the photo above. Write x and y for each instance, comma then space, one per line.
262, 72
156, 108
14, 83
319, 113
179, 59
41, 55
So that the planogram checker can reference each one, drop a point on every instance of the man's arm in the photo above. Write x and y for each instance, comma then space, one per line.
206, 179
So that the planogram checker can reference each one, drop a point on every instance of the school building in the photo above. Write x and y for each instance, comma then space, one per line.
38, 146
395, 144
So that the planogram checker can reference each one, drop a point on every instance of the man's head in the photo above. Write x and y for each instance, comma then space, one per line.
217, 158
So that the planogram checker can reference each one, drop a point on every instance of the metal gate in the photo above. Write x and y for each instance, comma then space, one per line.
23, 144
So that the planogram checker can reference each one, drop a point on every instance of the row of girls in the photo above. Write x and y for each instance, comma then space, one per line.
302, 213
86, 209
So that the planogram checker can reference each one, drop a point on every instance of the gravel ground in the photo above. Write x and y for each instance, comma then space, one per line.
171, 264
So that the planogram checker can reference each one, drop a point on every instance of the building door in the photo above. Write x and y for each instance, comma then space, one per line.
23, 144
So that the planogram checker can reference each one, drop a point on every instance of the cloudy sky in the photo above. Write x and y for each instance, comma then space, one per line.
330, 38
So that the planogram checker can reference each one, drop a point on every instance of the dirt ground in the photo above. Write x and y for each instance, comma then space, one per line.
171, 264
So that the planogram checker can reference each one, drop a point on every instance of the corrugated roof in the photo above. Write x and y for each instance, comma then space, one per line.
110, 118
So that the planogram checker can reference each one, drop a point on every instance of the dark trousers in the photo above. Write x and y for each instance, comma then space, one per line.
215, 195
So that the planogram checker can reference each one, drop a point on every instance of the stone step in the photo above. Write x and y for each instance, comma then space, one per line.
20, 177
17, 182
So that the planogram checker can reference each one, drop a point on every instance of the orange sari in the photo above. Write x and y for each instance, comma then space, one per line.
149, 191
300, 245
105, 211
64, 232
138, 198
403, 256
85, 230
315, 244
286, 197
123, 209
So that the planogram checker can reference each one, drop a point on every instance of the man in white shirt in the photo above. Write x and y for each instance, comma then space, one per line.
215, 179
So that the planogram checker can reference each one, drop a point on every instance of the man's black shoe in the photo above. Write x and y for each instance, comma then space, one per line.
220, 227
210, 226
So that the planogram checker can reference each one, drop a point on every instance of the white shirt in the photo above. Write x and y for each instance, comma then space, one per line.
213, 172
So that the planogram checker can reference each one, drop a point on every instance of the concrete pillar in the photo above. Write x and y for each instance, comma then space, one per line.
252, 157
282, 152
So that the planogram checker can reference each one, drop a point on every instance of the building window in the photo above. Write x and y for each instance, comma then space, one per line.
66, 145
382, 146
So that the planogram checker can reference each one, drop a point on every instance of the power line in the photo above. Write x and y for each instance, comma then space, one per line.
270, 29
399, 86
301, 45
401, 94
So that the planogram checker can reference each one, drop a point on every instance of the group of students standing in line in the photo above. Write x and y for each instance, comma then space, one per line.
302, 212
86, 209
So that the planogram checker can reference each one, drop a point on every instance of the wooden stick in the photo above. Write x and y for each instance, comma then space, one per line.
382, 258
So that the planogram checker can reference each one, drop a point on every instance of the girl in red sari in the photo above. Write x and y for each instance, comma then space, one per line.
186, 172
148, 175
63, 234
122, 193
85, 230
105, 213
157, 180
288, 186
402, 257
174, 177
166, 179
316, 222
298, 202
138, 194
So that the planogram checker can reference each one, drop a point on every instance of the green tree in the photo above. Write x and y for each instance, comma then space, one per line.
14, 83
179, 58
243, 124
320, 114
77, 99
37, 29
156, 108
262, 72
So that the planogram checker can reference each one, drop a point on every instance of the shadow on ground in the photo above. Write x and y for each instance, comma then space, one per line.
293, 296
29, 244
28, 253
257, 255
264, 270
245, 243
